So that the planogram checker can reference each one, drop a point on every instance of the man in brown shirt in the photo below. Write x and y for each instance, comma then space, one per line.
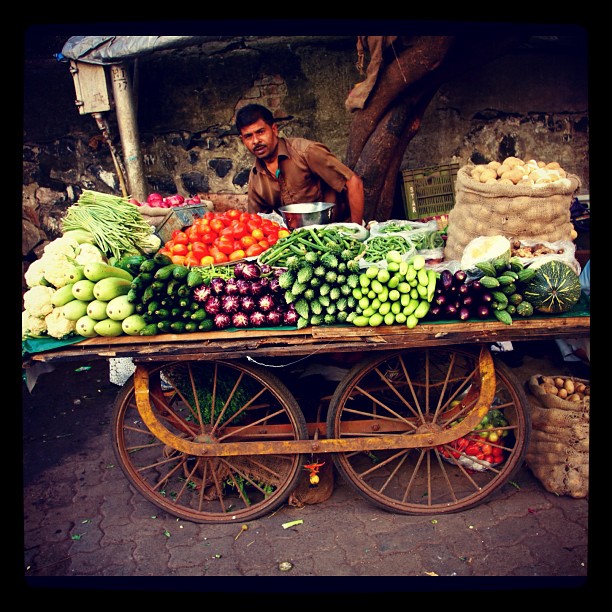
295, 170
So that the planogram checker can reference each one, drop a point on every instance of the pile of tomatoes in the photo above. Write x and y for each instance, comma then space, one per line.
222, 237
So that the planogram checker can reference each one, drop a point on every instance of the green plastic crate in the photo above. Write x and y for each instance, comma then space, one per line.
429, 192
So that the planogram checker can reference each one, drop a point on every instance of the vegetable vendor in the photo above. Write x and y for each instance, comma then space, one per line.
295, 170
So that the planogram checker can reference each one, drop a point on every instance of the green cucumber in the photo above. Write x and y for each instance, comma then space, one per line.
503, 316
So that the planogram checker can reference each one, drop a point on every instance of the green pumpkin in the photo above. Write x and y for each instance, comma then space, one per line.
554, 288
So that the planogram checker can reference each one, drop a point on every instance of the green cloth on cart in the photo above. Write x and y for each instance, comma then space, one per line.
39, 345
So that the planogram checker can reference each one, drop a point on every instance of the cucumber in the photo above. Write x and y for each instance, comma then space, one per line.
63, 295
74, 310
505, 279
206, 325
487, 267
108, 327
133, 325
180, 272
85, 326
149, 330
160, 259
96, 271
96, 309
110, 287
120, 308
178, 327
194, 278
503, 316
526, 274
131, 263
165, 272
489, 282
148, 266
83, 290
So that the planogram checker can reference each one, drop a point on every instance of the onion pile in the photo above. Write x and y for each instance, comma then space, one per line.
457, 298
251, 298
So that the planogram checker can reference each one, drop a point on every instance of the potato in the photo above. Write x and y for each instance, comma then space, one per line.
487, 174
494, 164
574, 397
559, 382
579, 387
550, 389
562, 393
553, 165
513, 161
569, 386
503, 168
507, 181
547, 380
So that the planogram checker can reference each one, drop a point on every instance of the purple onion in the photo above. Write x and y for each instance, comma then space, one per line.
247, 304
230, 304
266, 303
217, 285
240, 319
257, 318
201, 293
290, 317
231, 286
212, 305
251, 271
222, 320
274, 318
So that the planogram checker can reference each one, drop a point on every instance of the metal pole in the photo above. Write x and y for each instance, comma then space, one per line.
128, 129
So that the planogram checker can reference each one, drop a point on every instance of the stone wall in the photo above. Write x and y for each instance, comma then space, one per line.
533, 102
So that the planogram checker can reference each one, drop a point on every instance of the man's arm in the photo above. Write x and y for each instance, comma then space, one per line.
354, 189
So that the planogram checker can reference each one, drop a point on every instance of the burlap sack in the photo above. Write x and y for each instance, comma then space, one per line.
552, 401
526, 212
558, 451
305, 493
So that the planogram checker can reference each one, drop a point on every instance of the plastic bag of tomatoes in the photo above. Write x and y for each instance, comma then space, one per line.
222, 237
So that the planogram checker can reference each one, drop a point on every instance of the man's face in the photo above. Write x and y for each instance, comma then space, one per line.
260, 139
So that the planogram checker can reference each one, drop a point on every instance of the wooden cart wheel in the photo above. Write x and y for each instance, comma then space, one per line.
163, 419
419, 393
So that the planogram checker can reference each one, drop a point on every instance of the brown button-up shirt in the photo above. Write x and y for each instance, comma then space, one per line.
309, 172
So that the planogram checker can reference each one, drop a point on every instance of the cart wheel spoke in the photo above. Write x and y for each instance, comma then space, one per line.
212, 403
426, 391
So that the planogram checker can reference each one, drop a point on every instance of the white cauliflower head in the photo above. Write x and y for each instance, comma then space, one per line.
64, 245
59, 269
58, 326
32, 327
89, 253
35, 273
37, 300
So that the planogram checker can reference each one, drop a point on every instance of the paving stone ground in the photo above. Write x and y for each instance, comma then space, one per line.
85, 527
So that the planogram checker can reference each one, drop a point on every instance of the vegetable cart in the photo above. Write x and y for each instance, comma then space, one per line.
391, 425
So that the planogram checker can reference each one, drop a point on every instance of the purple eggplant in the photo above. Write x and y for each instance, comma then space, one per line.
476, 286
290, 317
238, 269
440, 300
230, 304
257, 318
274, 318
486, 298
450, 310
463, 289
446, 278
460, 276
482, 312
247, 304
251, 271
217, 285
201, 293
266, 303
464, 314
468, 300
435, 311
243, 286
231, 286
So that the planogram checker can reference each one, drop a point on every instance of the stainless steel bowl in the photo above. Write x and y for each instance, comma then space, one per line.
312, 213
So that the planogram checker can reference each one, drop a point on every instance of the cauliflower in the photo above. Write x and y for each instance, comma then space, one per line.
32, 327
37, 300
35, 273
59, 269
89, 253
64, 245
58, 326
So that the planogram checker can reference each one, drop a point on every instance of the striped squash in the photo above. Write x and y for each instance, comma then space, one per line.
554, 288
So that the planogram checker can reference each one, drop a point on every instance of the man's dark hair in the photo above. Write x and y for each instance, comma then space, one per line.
251, 113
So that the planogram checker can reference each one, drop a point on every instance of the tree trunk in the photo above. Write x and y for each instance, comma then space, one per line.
410, 73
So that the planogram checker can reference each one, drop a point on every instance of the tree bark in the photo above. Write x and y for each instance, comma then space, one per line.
410, 74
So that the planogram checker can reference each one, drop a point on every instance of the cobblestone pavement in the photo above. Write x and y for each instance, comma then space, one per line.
83, 521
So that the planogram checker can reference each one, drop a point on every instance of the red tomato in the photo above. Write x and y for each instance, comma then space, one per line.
227, 231
264, 244
490, 458
220, 257
208, 237
178, 259
486, 449
193, 233
225, 245
472, 449
169, 244
498, 451
254, 250
239, 230
180, 237
247, 241
254, 223
258, 234
272, 238
199, 249
232, 213
238, 254
191, 259
216, 225
180, 248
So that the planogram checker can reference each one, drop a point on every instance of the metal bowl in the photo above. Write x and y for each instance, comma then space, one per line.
313, 213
